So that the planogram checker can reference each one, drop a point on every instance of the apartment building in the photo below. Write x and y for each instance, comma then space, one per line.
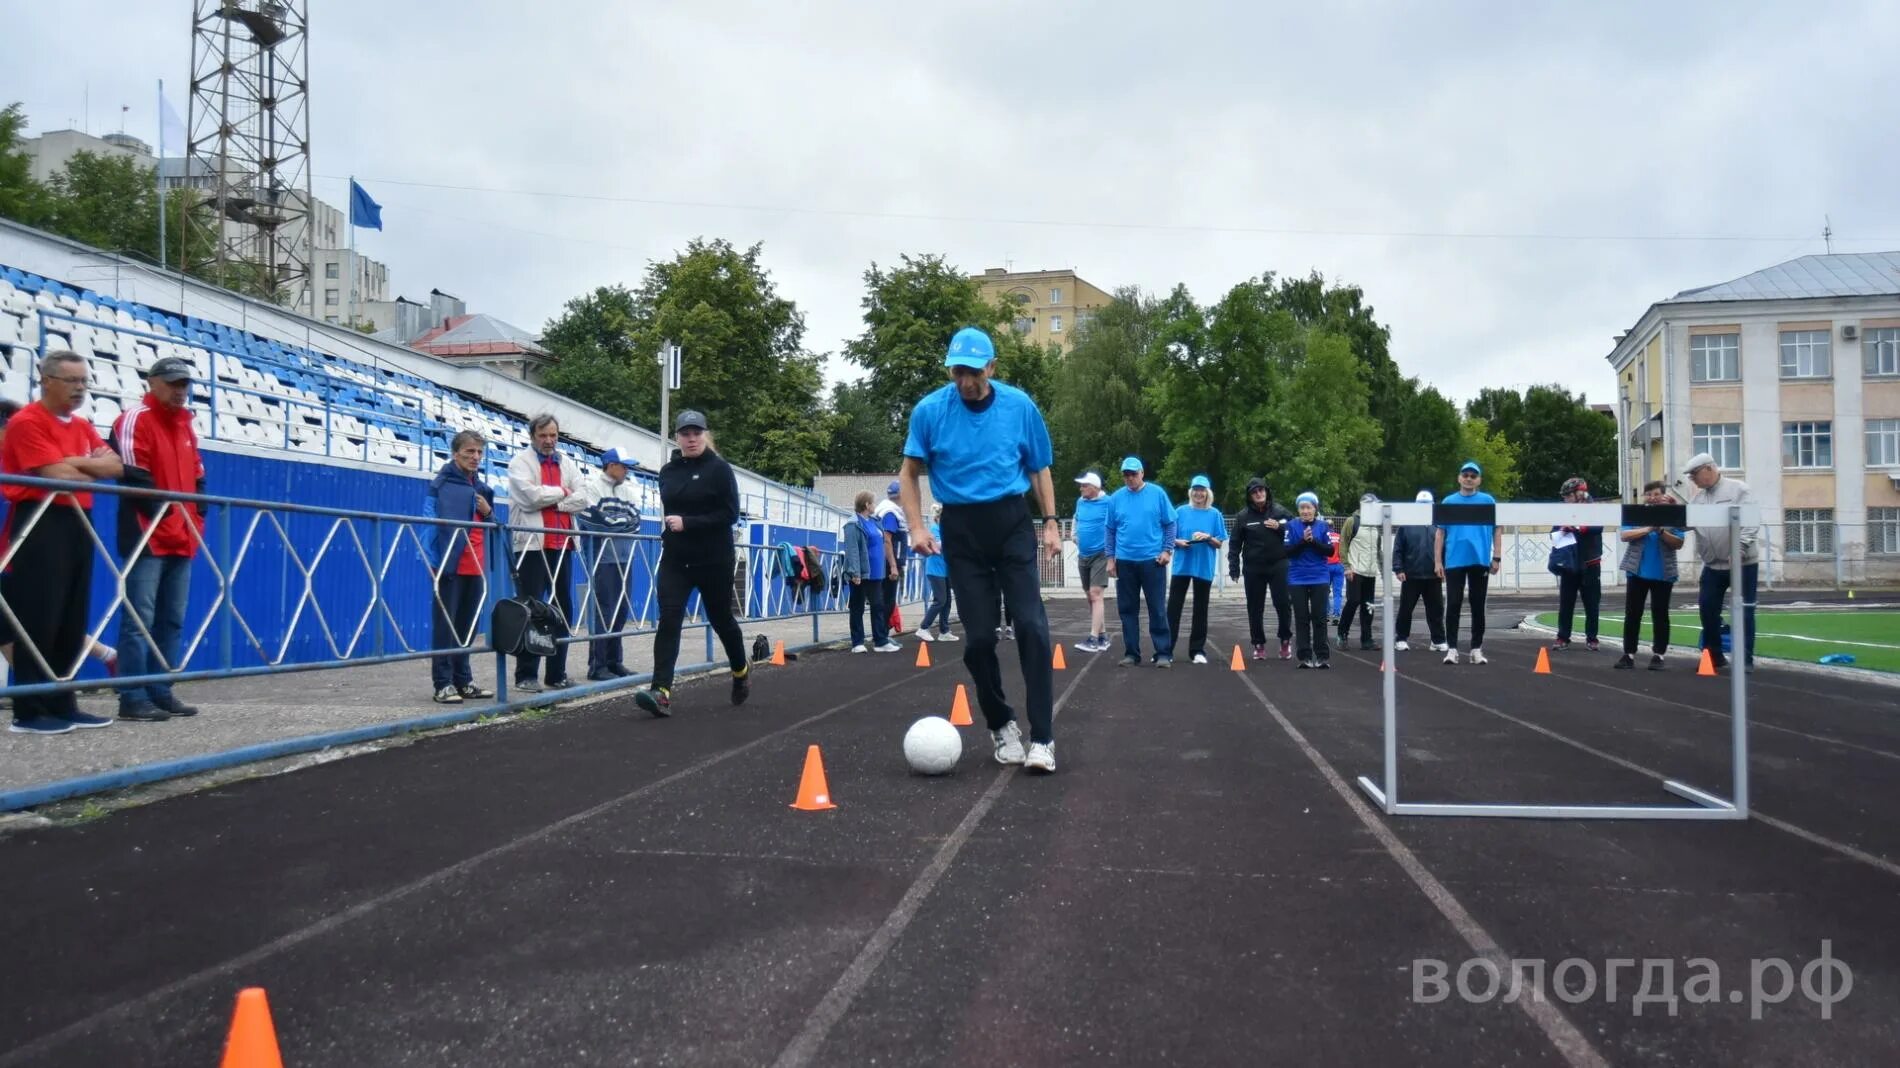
1051, 303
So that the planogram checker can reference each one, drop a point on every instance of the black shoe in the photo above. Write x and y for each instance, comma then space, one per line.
472, 692
1717, 660
601, 675
143, 712
655, 701
1626, 662
1367, 644
1305, 664
620, 670
1324, 665
561, 683
176, 708
742, 686
1656, 662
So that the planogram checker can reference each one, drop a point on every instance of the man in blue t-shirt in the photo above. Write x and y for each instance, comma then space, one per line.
984, 445
1467, 555
1140, 545
1091, 555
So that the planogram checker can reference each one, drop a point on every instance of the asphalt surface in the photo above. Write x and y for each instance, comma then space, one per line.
1197, 884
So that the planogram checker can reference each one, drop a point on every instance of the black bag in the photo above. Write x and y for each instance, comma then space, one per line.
761, 649
523, 626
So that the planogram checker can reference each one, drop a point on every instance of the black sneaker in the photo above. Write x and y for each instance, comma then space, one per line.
176, 708
742, 685
655, 701
1366, 644
472, 692
85, 720
143, 712
601, 675
1324, 665
620, 671
561, 683
1656, 662
1626, 662
40, 725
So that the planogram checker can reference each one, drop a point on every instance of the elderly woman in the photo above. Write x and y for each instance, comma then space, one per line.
864, 569
457, 492
1200, 530
1649, 559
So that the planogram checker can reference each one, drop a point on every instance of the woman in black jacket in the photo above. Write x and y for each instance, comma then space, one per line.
700, 500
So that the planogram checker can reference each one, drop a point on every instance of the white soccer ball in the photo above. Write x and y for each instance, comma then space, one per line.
932, 745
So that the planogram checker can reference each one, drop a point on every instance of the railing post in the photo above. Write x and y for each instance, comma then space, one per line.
226, 608
376, 584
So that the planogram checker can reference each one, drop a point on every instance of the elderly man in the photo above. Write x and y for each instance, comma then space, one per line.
1140, 546
544, 492
612, 510
1718, 559
48, 578
160, 451
890, 518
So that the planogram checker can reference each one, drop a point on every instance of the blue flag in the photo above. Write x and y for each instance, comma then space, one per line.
364, 212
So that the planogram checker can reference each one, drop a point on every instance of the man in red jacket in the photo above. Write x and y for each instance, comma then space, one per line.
160, 451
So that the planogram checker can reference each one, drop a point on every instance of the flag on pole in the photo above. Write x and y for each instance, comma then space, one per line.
364, 212
171, 128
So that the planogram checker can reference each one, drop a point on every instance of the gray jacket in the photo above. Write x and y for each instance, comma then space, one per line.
1712, 543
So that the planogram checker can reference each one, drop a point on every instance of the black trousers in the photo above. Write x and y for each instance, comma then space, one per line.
460, 598
868, 594
1657, 593
1433, 592
546, 575
1259, 581
677, 580
1309, 621
992, 560
1178, 587
1476, 579
48, 585
1588, 582
1359, 591
611, 606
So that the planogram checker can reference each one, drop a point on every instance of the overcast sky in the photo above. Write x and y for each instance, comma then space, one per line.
1512, 184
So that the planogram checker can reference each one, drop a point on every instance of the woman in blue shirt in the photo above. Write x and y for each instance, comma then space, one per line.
937, 574
1649, 559
864, 570
1199, 532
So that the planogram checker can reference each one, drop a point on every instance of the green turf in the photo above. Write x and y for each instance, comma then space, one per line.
1791, 635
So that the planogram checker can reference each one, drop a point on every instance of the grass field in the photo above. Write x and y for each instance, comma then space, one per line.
1873, 638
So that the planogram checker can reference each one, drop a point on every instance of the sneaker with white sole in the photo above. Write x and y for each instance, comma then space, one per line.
1009, 634
1439, 647
1401, 646
1200, 658
861, 648
924, 635
1477, 657
1451, 656
946, 636
448, 695
1042, 757
1009, 744
889, 646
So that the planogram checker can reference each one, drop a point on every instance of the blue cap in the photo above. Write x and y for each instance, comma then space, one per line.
616, 455
1201, 482
1471, 465
1133, 463
970, 347
892, 491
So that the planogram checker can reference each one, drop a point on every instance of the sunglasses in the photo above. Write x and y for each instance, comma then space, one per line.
1131, 474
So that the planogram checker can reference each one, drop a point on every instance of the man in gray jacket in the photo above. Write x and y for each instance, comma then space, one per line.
1718, 559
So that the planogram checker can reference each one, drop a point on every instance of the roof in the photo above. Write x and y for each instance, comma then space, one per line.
1866, 274
478, 335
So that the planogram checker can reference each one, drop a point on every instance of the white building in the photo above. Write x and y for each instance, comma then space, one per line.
1790, 377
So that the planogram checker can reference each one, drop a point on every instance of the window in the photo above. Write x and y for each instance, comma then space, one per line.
329, 298
1807, 444
1720, 440
1055, 324
1715, 358
1883, 531
1024, 324
1883, 443
329, 269
1882, 352
1055, 296
1808, 531
1804, 354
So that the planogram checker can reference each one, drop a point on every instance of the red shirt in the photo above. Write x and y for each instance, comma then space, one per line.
37, 438
161, 440
554, 518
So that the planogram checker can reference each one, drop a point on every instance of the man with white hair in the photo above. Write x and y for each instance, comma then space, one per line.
1713, 545
1413, 568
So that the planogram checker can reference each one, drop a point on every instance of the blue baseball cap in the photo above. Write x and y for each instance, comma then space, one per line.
970, 347
617, 455
1201, 482
1471, 465
1133, 463
893, 490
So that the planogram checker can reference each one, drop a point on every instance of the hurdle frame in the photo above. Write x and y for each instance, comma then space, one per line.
1705, 805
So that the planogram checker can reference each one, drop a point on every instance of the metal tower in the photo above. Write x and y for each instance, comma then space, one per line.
249, 147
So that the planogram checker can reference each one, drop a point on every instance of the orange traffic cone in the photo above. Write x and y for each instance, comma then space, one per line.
1543, 662
923, 654
253, 1040
813, 794
778, 654
960, 710
1059, 662
1707, 666
1239, 663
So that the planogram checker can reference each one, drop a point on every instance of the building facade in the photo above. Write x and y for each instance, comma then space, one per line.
1790, 378
1051, 303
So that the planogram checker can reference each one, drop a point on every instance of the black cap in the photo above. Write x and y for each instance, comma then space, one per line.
171, 369
689, 418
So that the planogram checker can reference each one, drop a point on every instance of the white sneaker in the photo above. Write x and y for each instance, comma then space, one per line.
861, 648
922, 636
946, 636
1451, 656
1009, 634
1439, 647
1477, 656
889, 646
1200, 658
1009, 745
1042, 757
1402, 647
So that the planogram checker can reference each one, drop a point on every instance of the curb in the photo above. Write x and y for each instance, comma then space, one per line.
1800, 667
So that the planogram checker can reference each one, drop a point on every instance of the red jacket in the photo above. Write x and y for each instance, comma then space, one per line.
160, 441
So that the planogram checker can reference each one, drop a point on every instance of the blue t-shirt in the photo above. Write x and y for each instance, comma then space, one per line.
936, 566
1140, 522
1091, 525
1468, 546
978, 457
1198, 558
874, 546
1651, 565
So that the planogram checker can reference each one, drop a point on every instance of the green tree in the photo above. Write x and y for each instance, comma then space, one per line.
1098, 410
1502, 410
1341, 309
106, 201
1326, 439
910, 312
862, 438
1428, 445
1564, 438
1496, 457
21, 198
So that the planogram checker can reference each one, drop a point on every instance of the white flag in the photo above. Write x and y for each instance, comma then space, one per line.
171, 128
